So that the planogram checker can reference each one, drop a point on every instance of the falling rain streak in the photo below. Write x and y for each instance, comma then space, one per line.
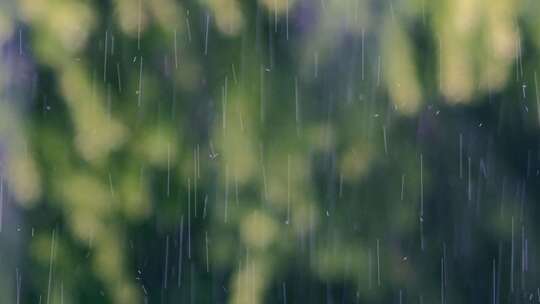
271, 151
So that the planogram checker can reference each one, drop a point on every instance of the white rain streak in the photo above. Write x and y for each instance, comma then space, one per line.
1, 202
166, 264
175, 50
226, 193
378, 265
207, 257
288, 189
51, 261
168, 169
189, 218
139, 91
297, 106
180, 251
422, 245
206, 34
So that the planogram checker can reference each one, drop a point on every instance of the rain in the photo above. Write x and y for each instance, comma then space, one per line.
269, 151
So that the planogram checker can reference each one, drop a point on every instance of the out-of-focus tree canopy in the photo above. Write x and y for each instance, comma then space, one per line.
271, 151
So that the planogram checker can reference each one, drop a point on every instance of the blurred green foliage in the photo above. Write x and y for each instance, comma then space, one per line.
239, 151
